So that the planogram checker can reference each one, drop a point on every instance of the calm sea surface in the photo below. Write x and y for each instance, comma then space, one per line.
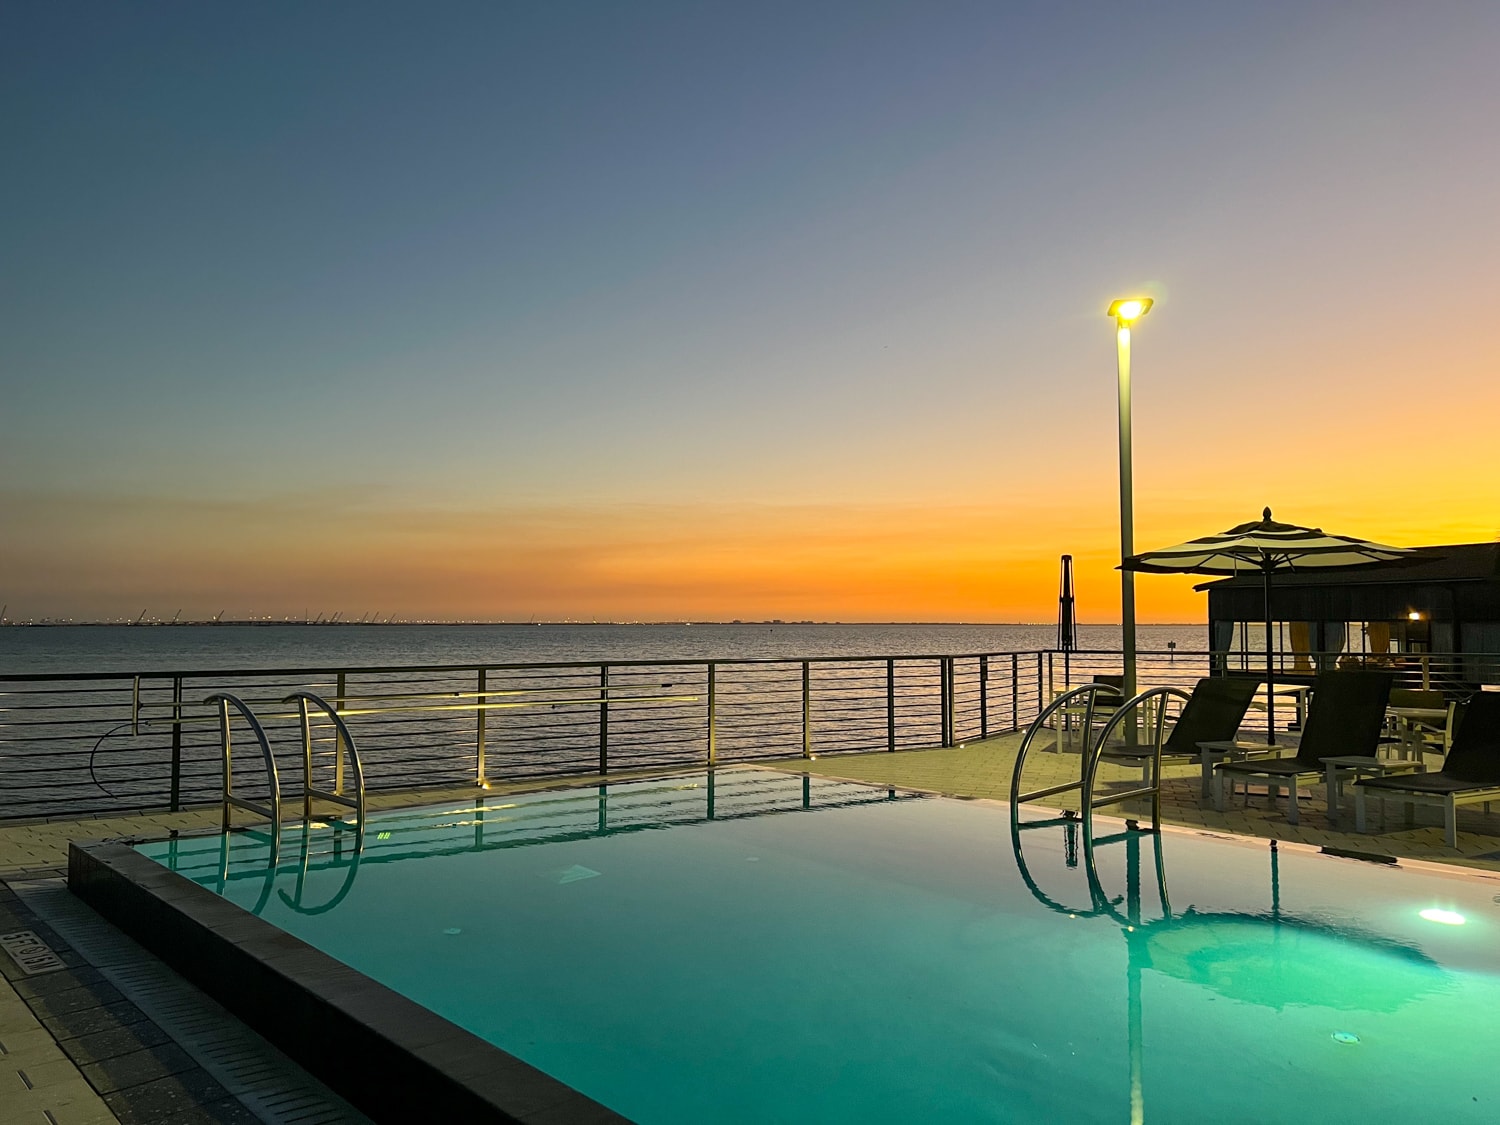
111, 648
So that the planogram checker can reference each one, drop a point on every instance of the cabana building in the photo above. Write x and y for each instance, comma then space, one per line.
1439, 609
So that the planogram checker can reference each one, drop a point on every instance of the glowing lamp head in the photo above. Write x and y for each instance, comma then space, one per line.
1414, 616
1128, 309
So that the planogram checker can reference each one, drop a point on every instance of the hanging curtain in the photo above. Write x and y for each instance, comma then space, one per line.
1335, 636
1221, 637
1442, 636
1302, 646
1378, 633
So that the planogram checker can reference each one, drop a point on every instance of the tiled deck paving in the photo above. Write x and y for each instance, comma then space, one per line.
73, 1050
77, 1052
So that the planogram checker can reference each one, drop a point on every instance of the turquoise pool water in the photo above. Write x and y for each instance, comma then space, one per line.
759, 947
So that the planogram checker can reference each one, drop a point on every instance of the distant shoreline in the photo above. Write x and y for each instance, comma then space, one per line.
257, 623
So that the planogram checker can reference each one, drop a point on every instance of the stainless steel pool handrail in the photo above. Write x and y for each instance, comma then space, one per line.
344, 743
1096, 749
271, 811
1088, 691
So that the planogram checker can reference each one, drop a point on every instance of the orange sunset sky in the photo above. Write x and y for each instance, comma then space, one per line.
671, 315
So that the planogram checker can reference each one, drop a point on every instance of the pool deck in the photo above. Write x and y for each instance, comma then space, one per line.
57, 1065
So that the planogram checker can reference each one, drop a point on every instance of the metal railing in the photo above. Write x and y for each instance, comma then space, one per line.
82, 743
79, 744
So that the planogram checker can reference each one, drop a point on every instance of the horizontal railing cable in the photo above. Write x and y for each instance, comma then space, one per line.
80, 743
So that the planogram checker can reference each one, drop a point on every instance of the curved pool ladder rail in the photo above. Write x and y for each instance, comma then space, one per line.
1101, 904
1088, 691
223, 700
306, 702
351, 872
1096, 750
344, 744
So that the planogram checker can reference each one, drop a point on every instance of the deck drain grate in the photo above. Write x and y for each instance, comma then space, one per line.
265, 1081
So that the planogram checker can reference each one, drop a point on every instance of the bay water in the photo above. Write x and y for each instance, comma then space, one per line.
26, 650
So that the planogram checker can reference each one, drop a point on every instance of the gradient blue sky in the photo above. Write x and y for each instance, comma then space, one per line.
714, 310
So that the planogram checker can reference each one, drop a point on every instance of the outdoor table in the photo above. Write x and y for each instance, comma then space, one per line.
1298, 692
1233, 750
1408, 719
1357, 766
1103, 712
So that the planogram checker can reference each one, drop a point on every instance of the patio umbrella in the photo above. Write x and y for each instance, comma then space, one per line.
1267, 546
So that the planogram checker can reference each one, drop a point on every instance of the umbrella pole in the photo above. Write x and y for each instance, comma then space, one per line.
1270, 670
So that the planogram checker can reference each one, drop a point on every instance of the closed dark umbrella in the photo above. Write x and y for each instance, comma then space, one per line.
1267, 546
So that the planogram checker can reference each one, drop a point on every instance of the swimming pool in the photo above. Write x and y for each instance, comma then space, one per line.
754, 946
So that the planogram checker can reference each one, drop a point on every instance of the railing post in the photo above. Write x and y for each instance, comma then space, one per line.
1039, 698
226, 748
713, 746
175, 803
338, 738
1015, 691
945, 685
942, 702
953, 738
603, 719
307, 777
480, 749
890, 703
984, 697
807, 709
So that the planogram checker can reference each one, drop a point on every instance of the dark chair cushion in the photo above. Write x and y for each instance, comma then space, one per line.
1346, 716
1423, 783
1213, 713
1475, 755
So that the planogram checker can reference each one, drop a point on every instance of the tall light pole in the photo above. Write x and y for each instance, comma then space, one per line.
1126, 312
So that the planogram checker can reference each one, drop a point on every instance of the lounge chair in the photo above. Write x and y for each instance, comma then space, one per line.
1213, 713
1345, 719
1470, 774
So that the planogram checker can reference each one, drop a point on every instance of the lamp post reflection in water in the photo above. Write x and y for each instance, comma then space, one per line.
1270, 959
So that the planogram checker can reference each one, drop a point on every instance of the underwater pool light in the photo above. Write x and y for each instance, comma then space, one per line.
1446, 917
